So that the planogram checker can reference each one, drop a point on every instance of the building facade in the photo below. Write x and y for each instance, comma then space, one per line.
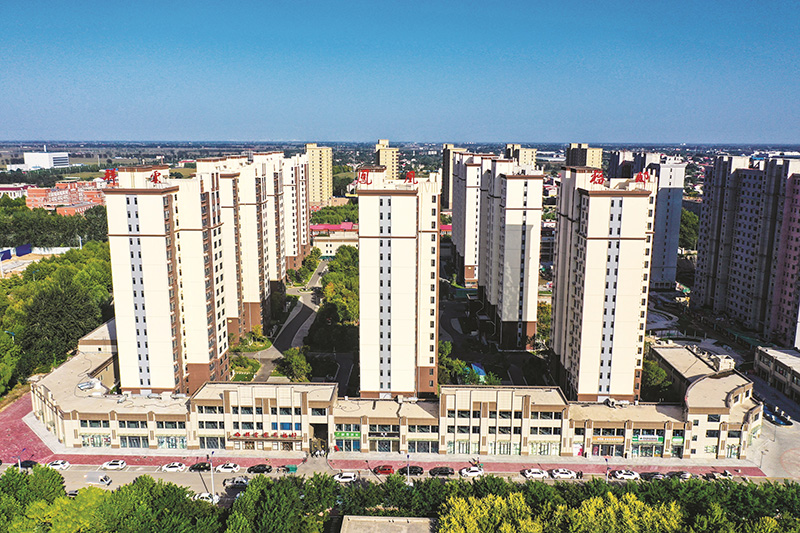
166, 245
746, 265
398, 241
296, 211
581, 155
320, 175
508, 266
781, 369
604, 237
41, 160
388, 157
525, 157
448, 151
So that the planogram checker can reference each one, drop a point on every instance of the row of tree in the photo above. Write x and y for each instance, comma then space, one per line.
310, 264
336, 214
37, 502
39, 227
46, 177
453, 371
46, 310
335, 327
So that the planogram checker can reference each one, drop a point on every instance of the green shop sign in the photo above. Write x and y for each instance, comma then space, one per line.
648, 439
347, 434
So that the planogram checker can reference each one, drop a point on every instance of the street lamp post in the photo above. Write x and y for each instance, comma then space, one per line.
606, 469
408, 469
19, 459
213, 491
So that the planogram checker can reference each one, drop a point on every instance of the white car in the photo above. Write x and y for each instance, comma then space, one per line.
562, 473
535, 473
173, 467
228, 468
116, 464
628, 475
345, 477
239, 482
59, 464
207, 497
471, 471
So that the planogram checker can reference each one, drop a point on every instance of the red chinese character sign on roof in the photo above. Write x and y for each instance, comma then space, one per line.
155, 177
642, 177
411, 177
363, 177
111, 176
597, 177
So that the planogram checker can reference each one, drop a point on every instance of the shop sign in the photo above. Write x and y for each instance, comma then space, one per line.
648, 438
608, 440
347, 434
677, 440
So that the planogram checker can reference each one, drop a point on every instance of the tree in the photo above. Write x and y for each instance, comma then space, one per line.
690, 224
294, 365
654, 381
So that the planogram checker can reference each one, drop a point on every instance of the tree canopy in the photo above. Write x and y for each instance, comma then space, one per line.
336, 214
335, 327
690, 224
39, 227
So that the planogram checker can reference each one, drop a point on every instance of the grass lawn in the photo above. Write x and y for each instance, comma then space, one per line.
85, 175
242, 376
250, 348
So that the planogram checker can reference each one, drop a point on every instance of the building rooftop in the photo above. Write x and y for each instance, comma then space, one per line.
317, 392
104, 332
643, 412
712, 391
692, 364
787, 356
389, 408
539, 395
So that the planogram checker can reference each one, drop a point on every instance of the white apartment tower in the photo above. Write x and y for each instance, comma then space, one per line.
510, 227
296, 210
166, 245
398, 242
604, 241
525, 157
388, 157
448, 151
320, 174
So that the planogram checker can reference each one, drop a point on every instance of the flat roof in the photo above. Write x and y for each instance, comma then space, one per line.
643, 412
63, 385
317, 392
388, 408
104, 332
539, 395
786, 356
712, 391
387, 524
691, 365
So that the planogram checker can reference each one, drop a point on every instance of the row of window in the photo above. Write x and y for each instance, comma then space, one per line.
132, 424
506, 415
236, 410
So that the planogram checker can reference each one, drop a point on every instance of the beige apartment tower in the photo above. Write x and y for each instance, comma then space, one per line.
320, 175
448, 151
166, 244
525, 157
398, 242
604, 239
389, 158
581, 155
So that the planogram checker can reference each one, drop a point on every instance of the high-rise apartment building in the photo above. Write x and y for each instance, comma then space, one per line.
668, 173
296, 211
448, 151
166, 245
508, 268
468, 168
604, 240
581, 155
398, 242
389, 157
248, 202
320, 174
747, 245
525, 157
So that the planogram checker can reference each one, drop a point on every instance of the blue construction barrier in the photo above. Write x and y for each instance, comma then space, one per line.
5, 255
25, 249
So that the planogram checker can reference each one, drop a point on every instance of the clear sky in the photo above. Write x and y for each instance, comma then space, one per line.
595, 71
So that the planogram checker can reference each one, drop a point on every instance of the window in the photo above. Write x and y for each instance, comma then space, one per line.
713, 418
317, 411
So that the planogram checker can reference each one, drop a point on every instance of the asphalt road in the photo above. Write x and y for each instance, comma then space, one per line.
284, 340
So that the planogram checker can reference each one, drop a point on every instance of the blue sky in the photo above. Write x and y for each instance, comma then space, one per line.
598, 71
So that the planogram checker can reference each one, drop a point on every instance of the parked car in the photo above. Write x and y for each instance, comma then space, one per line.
259, 469
345, 477
535, 473
471, 471
441, 471
626, 475
29, 463
652, 476
228, 468
563, 473
72, 493
207, 497
97, 478
200, 467
384, 469
719, 476
679, 474
114, 464
59, 464
238, 482
412, 470
173, 467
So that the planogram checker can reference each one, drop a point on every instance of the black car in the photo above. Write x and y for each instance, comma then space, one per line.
200, 467
259, 469
413, 470
441, 471
652, 476
28, 464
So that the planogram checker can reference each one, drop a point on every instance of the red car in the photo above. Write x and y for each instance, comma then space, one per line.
384, 469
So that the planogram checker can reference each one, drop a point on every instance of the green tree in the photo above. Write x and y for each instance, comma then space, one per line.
294, 365
690, 225
654, 381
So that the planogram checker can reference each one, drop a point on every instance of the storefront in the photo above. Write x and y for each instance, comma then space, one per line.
384, 437
647, 443
347, 441
608, 446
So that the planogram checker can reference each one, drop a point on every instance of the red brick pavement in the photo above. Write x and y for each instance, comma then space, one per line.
15, 435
